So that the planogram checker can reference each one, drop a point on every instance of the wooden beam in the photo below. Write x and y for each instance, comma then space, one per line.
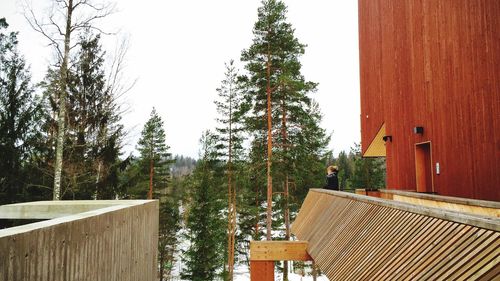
279, 251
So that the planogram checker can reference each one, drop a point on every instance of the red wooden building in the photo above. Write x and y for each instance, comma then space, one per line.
430, 94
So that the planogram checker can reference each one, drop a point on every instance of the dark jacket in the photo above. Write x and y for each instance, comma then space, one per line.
332, 181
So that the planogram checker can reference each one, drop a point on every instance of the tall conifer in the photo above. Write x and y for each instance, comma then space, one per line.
154, 159
205, 223
93, 133
229, 132
20, 112
279, 103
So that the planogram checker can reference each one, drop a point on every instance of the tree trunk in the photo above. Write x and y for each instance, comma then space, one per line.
151, 173
230, 226
269, 148
62, 106
98, 178
284, 136
287, 225
161, 261
231, 214
257, 215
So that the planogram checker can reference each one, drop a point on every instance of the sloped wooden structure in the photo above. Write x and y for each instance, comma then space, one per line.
355, 237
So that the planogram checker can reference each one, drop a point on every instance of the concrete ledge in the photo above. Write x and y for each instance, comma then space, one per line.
56, 209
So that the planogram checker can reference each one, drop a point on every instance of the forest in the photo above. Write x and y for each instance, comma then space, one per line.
62, 139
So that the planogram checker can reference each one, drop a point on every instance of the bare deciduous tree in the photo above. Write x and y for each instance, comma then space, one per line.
62, 21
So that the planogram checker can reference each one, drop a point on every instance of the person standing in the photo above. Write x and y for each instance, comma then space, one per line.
332, 179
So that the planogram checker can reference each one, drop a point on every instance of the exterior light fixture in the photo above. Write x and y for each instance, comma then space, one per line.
418, 130
387, 138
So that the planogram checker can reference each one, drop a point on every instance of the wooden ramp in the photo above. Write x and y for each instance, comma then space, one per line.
355, 237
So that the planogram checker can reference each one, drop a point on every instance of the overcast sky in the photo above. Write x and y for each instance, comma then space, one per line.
178, 50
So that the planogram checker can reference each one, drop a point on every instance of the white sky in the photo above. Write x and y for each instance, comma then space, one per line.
178, 50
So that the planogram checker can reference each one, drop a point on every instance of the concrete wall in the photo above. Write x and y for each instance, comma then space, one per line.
111, 243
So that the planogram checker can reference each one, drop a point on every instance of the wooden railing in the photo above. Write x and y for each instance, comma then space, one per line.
462, 205
81, 240
355, 237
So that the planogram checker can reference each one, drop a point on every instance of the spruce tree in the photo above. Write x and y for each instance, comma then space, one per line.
368, 173
20, 112
93, 133
65, 19
205, 223
168, 228
309, 155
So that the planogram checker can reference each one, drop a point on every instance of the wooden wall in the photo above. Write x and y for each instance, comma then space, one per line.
116, 243
436, 64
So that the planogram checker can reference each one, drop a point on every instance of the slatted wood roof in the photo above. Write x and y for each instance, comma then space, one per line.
354, 237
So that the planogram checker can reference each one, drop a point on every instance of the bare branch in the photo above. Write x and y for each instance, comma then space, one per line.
30, 17
102, 31
51, 18
115, 77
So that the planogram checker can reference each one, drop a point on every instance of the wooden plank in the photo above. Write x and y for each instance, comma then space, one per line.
478, 210
441, 253
458, 258
400, 230
444, 199
279, 251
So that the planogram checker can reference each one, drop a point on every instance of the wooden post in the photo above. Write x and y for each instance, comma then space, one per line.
263, 254
262, 270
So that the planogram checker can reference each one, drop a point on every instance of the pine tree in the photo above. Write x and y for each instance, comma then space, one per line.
229, 145
264, 65
154, 159
20, 112
279, 94
205, 223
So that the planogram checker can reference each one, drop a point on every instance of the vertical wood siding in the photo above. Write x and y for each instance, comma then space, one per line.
436, 64
119, 245
351, 239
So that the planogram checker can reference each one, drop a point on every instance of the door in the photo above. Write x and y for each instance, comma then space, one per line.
423, 166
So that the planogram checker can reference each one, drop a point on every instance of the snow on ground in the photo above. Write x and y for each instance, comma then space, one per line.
241, 273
